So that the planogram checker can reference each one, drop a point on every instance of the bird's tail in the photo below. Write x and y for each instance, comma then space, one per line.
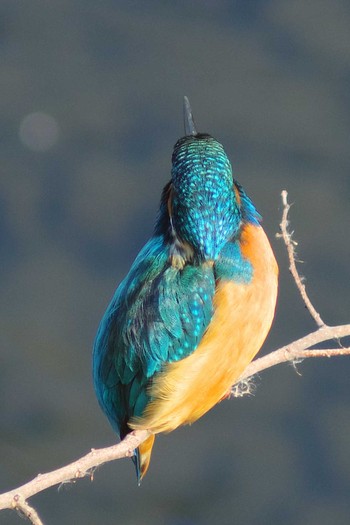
142, 457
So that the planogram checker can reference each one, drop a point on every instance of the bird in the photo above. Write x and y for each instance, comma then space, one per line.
196, 305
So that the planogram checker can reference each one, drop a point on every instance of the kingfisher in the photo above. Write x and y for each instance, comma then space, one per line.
196, 305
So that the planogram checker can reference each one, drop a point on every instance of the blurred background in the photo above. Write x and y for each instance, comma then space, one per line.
91, 105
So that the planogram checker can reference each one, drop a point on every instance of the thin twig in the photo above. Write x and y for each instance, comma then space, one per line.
290, 243
23, 507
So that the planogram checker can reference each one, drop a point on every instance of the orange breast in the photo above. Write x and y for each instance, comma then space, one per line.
243, 314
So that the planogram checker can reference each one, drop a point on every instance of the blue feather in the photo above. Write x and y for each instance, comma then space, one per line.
231, 265
158, 315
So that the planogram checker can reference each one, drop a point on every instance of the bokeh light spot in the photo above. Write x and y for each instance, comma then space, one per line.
38, 131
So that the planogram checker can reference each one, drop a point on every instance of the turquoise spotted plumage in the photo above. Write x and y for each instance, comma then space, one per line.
205, 209
159, 360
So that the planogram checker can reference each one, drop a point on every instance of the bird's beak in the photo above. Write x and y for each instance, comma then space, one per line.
190, 128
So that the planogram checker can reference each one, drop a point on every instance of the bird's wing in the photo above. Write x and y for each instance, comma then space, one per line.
157, 316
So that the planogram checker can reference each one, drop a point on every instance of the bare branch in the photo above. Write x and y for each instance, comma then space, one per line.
78, 469
300, 349
297, 350
290, 244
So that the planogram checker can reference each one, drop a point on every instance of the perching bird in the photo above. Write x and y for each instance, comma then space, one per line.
196, 305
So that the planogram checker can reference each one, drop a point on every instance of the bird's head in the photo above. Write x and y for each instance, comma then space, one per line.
205, 202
